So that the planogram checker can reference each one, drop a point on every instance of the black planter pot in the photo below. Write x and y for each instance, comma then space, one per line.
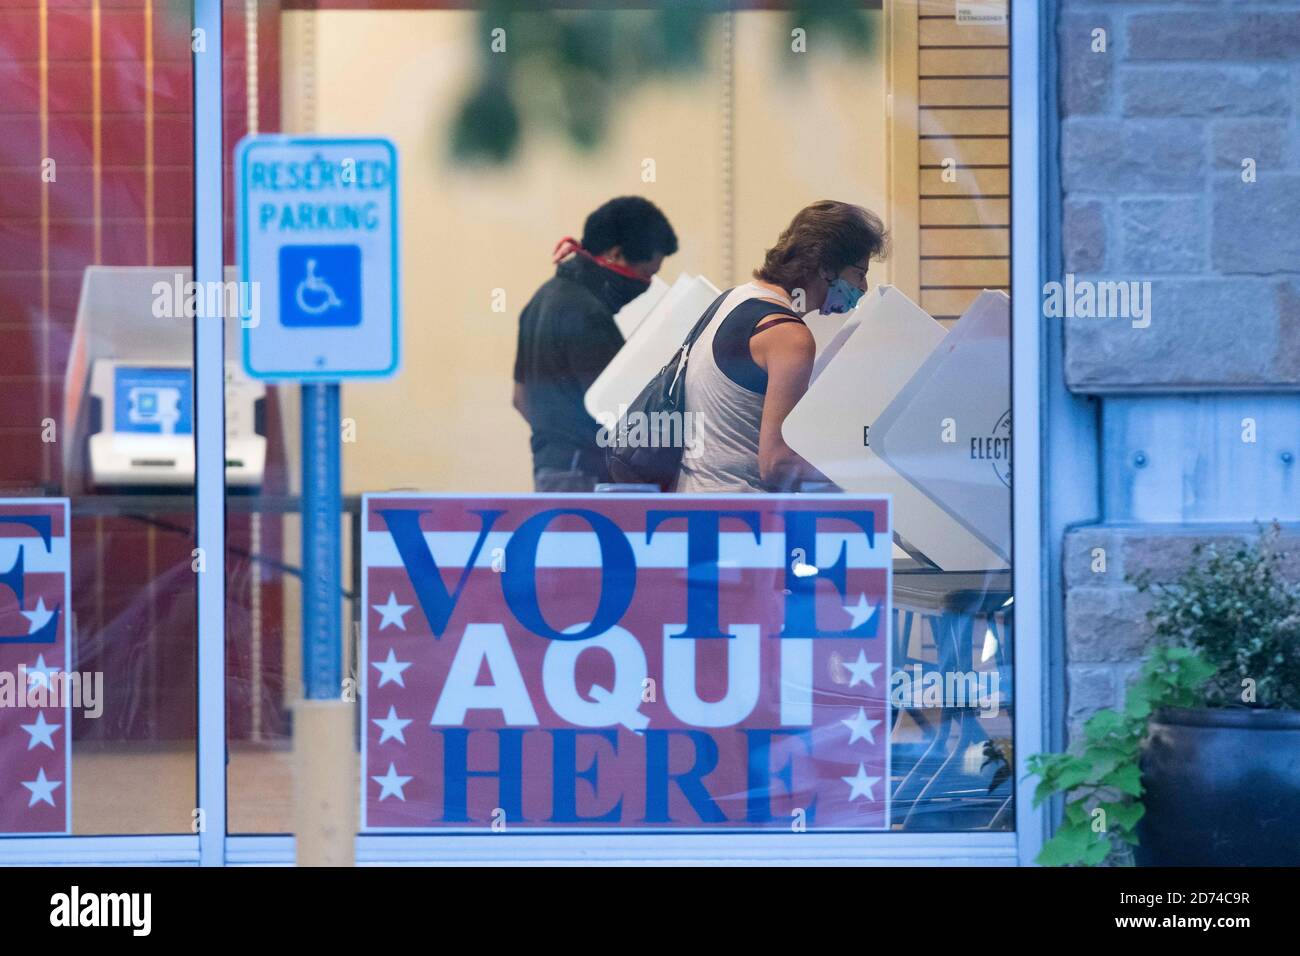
1222, 788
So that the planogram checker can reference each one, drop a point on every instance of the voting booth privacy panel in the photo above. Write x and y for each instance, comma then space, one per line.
128, 401
898, 404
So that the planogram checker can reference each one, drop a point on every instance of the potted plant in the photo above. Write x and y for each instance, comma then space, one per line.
1202, 766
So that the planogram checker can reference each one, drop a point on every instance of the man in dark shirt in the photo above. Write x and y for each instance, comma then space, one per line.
567, 335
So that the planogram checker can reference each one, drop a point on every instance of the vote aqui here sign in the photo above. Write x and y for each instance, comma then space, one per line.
625, 661
317, 229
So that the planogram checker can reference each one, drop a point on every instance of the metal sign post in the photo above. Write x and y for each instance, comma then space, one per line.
317, 240
322, 622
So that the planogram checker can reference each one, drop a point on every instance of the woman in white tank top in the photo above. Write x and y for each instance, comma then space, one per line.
752, 364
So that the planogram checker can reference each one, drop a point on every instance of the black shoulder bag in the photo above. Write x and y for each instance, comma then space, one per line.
656, 460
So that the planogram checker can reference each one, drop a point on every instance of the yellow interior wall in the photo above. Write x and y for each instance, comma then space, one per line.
803, 130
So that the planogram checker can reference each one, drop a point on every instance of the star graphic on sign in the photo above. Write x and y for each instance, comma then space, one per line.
391, 669
41, 788
860, 728
861, 612
861, 784
39, 673
392, 612
39, 617
392, 726
861, 670
42, 732
391, 784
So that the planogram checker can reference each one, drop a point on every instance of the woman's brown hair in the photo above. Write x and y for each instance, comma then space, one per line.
827, 235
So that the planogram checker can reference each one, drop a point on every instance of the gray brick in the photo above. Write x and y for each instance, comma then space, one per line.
1106, 625
1205, 91
1163, 235
1165, 556
1077, 557
1289, 545
1255, 225
1184, 345
1286, 368
1084, 236
1091, 688
1203, 35
1266, 141
1111, 156
1085, 75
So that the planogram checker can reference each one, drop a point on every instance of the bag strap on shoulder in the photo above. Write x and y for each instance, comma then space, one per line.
708, 315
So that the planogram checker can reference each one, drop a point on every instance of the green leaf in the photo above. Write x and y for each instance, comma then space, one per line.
1101, 723
1097, 852
1076, 811
1127, 779
1104, 761
1127, 814
1137, 705
1075, 773
1067, 847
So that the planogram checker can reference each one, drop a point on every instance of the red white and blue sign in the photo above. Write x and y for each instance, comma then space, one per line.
35, 596
625, 661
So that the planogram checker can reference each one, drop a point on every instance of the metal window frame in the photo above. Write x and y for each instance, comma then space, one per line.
1031, 24
1037, 712
210, 437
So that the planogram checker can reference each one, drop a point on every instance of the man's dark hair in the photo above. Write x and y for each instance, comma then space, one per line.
827, 235
633, 224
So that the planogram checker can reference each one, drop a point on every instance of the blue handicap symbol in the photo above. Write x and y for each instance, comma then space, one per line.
320, 285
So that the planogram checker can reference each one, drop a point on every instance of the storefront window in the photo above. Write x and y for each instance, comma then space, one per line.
832, 648
97, 548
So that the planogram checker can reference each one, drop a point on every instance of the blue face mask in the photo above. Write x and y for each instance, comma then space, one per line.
842, 296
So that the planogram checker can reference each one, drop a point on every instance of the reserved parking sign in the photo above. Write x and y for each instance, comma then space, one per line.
317, 240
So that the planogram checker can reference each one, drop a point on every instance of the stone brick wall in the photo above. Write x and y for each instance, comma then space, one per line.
1155, 135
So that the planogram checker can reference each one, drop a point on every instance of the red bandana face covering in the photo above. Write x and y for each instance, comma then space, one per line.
569, 245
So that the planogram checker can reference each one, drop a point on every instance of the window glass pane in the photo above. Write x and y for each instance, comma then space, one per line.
512, 128
96, 348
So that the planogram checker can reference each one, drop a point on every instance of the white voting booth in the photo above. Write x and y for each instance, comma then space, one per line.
128, 396
824, 329
948, 431
651, 344
897, 405
630, 317
873, 420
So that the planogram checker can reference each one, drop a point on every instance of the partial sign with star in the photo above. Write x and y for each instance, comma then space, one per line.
626, 661
35, 708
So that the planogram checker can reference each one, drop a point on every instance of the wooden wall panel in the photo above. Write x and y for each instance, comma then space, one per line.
963, 117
